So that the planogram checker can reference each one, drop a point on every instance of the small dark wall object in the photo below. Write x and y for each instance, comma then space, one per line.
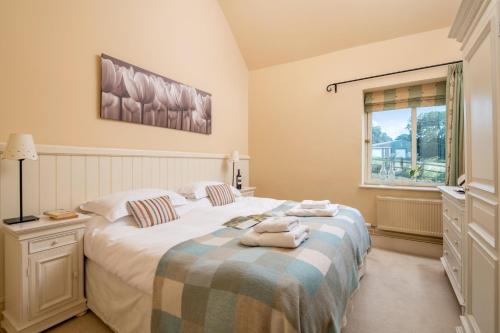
238, 180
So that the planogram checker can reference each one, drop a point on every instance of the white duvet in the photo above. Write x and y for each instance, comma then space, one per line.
132, 253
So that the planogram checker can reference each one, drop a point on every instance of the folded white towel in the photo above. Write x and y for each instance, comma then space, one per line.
290, 239
277, 224
312, 204
331, 210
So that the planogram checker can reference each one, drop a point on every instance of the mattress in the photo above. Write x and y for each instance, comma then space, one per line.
132, 254
126, 309
122, 259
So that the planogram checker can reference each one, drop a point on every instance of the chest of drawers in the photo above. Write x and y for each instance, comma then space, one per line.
453, 239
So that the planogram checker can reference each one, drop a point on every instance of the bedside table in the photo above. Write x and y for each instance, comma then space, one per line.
44, 273
248, 191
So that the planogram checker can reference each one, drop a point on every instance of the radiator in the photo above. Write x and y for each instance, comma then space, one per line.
408, 215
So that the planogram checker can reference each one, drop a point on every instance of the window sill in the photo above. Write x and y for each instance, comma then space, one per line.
401, 188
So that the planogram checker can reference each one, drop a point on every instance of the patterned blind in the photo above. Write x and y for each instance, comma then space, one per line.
428, 94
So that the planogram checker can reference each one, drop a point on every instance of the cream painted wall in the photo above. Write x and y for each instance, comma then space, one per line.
51, 72
307, 143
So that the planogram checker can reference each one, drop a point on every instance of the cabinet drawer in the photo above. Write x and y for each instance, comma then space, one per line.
455, 266
52, 242
452, 213
453, 236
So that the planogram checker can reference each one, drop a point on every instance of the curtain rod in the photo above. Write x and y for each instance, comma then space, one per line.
335, 84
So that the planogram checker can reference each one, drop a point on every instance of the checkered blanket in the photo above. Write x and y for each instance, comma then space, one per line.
214, 284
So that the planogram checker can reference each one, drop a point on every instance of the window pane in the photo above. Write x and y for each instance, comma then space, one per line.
391, 144
431, 132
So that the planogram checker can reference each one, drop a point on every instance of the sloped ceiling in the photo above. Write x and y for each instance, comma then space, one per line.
271, 32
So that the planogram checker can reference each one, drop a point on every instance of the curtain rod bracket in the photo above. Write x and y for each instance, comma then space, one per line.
329, 87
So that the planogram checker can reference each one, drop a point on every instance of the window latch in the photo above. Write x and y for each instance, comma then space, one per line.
367, 140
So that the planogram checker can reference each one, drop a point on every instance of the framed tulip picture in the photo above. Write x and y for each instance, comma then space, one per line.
135, 95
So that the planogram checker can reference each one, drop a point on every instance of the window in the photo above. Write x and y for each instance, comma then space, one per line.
405, 134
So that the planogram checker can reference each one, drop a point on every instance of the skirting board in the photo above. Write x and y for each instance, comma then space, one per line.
419, 248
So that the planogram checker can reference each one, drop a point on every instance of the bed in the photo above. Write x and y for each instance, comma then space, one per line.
129, 272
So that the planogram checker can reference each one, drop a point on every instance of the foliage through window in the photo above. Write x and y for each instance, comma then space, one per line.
407, 145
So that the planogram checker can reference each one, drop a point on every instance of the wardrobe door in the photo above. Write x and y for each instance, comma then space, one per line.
481, 118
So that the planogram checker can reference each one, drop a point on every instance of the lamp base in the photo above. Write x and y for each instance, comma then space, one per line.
19, 220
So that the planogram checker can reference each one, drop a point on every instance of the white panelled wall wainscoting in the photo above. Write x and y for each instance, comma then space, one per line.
64, 177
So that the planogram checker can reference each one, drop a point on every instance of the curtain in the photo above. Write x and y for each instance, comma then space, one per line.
455, 124
428, 94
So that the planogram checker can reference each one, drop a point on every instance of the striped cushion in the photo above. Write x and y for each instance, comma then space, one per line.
151, 212
220, 194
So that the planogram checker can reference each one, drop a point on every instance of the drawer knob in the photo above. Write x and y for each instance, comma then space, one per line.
54, 243
455, 269
446, 230
445, 253
455, 218
456, 243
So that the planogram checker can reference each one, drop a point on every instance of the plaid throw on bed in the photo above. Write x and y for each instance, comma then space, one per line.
214, 284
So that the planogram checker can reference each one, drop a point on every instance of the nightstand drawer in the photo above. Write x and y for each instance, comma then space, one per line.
52, 242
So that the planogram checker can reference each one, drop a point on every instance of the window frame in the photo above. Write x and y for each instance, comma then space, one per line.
368, 180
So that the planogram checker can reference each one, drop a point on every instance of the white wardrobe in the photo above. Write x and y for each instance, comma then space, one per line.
477, 27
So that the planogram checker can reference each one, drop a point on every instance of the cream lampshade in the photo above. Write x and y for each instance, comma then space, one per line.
235, 156
20, 147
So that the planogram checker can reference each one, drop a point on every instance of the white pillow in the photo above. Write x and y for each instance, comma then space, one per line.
197, 190
114, 206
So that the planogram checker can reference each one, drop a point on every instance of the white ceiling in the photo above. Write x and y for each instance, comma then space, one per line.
272, 32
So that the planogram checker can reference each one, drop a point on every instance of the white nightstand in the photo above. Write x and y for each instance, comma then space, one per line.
43, 273
248, 191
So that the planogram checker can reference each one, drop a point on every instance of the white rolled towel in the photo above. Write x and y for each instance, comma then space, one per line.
290, 239
277, 224
331, 210
312, 204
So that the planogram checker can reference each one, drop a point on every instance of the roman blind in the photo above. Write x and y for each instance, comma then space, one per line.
428, 94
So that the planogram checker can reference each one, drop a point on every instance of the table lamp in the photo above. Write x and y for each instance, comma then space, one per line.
20, 147
235, 157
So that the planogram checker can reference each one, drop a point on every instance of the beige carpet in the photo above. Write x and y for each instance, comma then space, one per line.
399, 294
403, 293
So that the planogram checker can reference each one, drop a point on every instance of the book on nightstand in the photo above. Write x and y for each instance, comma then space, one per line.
61, 214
